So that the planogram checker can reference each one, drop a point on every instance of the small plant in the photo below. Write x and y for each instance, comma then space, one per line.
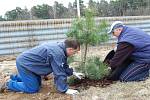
70, 59
88, 32
72, 80
95, 69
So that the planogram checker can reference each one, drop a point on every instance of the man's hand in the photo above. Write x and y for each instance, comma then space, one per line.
72, 92
78, 75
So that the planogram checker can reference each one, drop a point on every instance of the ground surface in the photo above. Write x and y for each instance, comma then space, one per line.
115, 91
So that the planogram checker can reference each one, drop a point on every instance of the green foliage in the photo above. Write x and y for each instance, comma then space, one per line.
71, 11
42, 11
88, 32
95, 69
2, 19
82, 6
76, 30
70, 59
60, 10
72, 80
17, 14
101, 8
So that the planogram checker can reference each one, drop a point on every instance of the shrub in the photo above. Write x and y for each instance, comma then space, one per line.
70, 59
95, 69
72, 80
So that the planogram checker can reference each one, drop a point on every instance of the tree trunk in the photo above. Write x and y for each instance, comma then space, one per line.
85, 53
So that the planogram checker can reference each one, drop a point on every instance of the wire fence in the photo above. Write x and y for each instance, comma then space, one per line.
18, 36
22, 29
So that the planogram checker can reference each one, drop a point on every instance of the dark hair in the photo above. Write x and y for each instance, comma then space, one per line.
72, 43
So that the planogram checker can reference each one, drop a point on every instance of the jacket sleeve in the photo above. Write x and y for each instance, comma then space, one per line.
123, 52
60, 71
69, 71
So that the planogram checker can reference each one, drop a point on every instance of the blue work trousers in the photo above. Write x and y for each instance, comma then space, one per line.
135, 72
25, 81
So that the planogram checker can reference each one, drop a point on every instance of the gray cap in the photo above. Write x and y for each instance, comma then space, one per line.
115, 25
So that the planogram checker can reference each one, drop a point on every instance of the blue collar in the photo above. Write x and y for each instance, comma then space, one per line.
62, 45
123, 32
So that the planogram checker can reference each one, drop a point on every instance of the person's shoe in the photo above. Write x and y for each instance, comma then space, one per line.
3, 87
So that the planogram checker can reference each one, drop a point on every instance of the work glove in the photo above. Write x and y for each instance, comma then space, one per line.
115, 49
72, 92
78, 75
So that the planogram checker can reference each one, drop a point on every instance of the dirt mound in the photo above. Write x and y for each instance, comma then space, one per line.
86, 83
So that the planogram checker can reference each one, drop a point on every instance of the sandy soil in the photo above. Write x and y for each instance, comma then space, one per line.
116, 91
47, 92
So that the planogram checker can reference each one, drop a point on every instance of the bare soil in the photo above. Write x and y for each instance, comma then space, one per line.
47, 92
86, 83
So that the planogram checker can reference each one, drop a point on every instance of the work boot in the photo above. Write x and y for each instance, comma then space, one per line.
3, 87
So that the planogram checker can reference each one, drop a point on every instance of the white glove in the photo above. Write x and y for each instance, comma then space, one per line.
78, 75
115, 49
72, 92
